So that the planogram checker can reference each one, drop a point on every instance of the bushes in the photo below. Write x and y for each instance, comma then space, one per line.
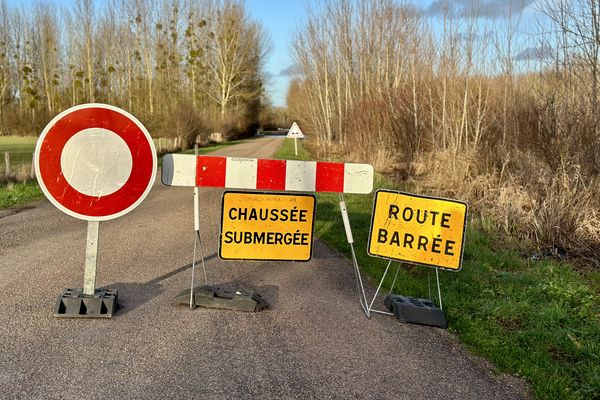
556, 213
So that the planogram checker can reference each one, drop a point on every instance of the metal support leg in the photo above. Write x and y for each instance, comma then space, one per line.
359, 283
371, 309
197, 239
395, 278
91, 256
193, 270
380, 283
437, 277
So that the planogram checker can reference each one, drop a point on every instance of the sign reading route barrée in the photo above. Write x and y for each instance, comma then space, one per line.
267, 226
95, 162
418, 229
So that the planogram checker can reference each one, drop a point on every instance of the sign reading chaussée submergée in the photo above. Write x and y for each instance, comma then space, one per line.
418, 229
266, 226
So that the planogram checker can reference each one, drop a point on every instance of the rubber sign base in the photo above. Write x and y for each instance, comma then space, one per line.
220, 297
416, 311
72, 303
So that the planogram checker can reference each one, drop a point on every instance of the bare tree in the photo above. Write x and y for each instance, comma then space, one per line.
84, 18
48, 39
235, 48
5, 68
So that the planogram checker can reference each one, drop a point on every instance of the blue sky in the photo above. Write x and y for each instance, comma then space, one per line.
282, 18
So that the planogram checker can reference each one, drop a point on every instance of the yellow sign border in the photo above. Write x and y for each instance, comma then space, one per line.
312, 229
464, 233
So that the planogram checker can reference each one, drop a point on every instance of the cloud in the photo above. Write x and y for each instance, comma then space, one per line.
292, 70
534, 53
477, 8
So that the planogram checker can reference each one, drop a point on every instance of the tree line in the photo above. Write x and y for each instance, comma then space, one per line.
464, 106
182, 67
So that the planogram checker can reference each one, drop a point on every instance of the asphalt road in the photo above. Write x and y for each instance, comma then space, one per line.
314, 343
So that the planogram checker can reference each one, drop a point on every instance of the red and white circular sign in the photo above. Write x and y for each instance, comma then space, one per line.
95, 162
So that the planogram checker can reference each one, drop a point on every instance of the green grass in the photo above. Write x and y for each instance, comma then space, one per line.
539, 320
19, 194
286, 151
20, 149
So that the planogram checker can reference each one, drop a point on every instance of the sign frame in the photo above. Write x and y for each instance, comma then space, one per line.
66, 125
312, 229
423, 264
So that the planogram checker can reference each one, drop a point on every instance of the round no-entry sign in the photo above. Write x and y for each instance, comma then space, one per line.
95, 162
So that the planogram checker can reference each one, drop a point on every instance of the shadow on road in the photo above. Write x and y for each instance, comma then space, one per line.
134, 294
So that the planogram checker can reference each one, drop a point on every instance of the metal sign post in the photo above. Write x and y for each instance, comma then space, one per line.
91, 257
295, 133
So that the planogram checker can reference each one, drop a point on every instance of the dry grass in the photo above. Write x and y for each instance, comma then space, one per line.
558, 213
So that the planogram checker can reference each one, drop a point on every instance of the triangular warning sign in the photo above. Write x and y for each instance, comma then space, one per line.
295, 132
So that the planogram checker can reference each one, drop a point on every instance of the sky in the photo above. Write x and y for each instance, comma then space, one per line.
282, 18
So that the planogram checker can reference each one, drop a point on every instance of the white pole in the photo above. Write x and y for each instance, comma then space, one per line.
7, 163
91, 256
197, 239
296, 146
196, 234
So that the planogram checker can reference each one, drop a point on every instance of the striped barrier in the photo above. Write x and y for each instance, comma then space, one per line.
265, 174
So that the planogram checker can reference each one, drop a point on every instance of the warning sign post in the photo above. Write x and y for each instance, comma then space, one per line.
296, 134
267, 226
420, 230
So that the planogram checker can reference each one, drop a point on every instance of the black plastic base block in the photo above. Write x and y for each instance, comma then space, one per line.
72, 303
416, 311
219, 297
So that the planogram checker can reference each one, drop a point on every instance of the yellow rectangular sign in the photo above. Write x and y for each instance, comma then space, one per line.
418, 229
267, 226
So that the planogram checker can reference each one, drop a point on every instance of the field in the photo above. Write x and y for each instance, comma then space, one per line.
534, 318
21, 150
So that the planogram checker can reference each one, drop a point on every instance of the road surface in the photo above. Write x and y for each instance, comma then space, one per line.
314, 343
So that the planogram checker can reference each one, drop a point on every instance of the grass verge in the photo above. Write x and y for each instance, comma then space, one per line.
537, 319
19, 194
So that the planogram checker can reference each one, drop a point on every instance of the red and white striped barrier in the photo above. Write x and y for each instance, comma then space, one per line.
264, 174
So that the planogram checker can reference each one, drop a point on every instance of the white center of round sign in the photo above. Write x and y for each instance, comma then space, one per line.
96, 162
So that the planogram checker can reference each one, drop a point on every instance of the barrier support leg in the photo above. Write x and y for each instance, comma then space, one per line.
371, 309
437, 278
197, 240
359, 283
